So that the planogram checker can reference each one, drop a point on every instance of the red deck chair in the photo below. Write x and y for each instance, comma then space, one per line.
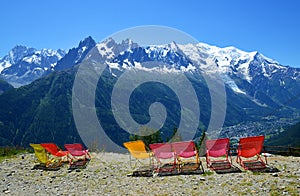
163, 152
248, 148
77, 152
217, 152
187, 156
53, 149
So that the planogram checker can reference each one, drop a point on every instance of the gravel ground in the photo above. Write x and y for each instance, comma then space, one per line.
107, 174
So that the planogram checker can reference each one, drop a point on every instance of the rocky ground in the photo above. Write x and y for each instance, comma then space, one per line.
107, 174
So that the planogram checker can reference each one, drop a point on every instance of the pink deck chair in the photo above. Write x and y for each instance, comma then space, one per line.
217, 153
77, 151
187, 155
163, 152
248, 148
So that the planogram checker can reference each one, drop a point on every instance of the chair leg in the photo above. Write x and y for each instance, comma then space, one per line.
130, 161
266, 159
178, 164
208, 163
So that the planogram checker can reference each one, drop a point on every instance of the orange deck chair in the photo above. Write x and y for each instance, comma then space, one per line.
138, 150
187, 156
165, 157
248, 148
217, 153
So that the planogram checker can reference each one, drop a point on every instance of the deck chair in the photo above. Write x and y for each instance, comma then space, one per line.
45, 162
138, 150
187, 156
217, 153
79, 156
249, 148
165, 157
55, 151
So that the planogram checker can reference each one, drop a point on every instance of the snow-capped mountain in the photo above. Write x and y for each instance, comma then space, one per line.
15, 55
232, 60
258, 90
75, 55
250, 74
233, 64
229, 60
23, 65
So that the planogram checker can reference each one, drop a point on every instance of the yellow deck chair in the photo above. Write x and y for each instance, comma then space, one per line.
42, 156
138, 150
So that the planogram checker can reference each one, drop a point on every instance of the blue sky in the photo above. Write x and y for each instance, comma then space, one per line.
271, 27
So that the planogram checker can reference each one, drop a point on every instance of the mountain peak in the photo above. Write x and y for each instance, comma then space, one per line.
19, 52
129, 44
173, 46
23, 65
76, 55
87, 42
127, 41
261, 57
19, 48
15, 55
109, 48
109, 42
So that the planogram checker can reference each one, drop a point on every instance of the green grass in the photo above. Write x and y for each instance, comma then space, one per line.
292, 189
8, 152
246, 182
256, 173
292, 176
208, 173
